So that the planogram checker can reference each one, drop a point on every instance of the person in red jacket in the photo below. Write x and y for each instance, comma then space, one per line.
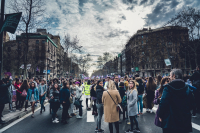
18, 92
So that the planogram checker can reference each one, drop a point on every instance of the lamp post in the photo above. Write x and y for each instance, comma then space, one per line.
1, 36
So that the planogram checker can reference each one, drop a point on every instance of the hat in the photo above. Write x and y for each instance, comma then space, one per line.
121, 84
77, 82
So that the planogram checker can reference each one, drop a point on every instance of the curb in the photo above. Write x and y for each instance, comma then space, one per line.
18, 116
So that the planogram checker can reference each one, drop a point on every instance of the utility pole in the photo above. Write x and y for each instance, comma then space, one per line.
1, 37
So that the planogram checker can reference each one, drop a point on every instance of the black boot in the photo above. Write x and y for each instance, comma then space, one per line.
44, 109
2, 122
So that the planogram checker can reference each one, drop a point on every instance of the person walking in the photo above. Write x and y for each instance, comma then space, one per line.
18, 94
122, 93
55, 102
32, 96
93, 99
157, 98
150, 91
175, 105
99, 93
195, 78
73, 95
23, 90
79, 98
87, 93
140, 89
42, 93
110, 99
64, 100
11, 88
4, 96
132, 106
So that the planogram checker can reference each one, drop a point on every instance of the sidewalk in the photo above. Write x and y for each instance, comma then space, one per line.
9, 117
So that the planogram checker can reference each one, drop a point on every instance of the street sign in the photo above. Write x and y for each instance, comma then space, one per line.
48, 71
11, 22
167, 62
44, 71
136, 69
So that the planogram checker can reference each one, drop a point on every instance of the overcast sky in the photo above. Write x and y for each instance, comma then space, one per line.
106, 25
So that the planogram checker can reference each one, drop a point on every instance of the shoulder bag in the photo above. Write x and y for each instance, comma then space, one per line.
77, 102
118, 105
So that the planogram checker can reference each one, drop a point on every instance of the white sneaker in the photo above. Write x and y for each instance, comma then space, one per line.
194, 116
77, 110
147, 109
151, 111
79, 117
55, 121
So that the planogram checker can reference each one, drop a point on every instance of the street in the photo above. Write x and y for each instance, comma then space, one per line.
43, 124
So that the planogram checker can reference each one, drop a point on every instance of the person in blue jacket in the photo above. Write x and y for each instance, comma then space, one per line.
32, 96
176, 103
64, 100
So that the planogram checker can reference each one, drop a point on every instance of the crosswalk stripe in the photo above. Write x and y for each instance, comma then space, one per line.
195, 126
90, 117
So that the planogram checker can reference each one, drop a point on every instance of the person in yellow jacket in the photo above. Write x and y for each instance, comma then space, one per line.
87, 93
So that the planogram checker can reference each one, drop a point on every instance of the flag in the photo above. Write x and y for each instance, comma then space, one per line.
11, 22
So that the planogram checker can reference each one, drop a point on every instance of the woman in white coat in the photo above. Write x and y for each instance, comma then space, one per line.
132, 106
79, 97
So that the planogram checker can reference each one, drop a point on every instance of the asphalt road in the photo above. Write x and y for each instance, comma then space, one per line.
43, 124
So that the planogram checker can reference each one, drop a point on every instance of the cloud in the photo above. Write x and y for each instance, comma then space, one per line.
106, 25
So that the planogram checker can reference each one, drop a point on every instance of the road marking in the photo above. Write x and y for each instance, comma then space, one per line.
195, 126
17, 121
90, 117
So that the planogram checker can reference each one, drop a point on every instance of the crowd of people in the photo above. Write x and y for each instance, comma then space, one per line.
178, 97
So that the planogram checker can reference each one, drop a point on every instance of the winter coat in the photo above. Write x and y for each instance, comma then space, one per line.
195, 78
92, 91
64, 95
122, 92
132, 103
79, 92
117, 85
29, 94
176, 103
156, 102
110, 108
4, 93
99, 93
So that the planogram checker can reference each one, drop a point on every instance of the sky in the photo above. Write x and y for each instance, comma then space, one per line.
106, 25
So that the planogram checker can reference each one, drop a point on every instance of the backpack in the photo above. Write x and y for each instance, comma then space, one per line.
140, 88
24, 93
124, 101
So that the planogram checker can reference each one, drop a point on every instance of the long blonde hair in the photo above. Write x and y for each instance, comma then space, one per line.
111, 85
134, 87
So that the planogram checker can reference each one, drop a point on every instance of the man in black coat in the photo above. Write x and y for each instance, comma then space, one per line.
4, 96
176, 103
195, 78
116, 80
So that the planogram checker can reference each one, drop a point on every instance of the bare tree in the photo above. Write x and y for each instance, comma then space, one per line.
190, 18
32, 14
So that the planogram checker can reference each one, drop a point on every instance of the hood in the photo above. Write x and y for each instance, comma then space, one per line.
177, 87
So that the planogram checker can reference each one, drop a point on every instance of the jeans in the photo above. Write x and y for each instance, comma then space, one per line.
55, 107
65, 111
80, 109
42, 102
100, 114
1, 110
140, 103
21, 102
133, 118
116, 127
72, 106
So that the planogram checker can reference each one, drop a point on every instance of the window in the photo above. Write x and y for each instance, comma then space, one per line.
147, 66
142, 36
9, 49
43, 41
37, 41
158, 65
142, 41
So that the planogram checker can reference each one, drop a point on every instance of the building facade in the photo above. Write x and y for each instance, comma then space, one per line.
148, 48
